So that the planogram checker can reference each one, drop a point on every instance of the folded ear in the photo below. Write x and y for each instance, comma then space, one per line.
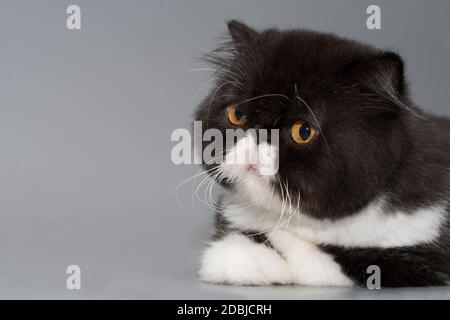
384, 71
241, 34
389, 69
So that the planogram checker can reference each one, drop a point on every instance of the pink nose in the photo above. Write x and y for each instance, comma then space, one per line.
252, 167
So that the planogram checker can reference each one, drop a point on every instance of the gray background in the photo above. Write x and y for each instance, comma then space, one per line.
85, 170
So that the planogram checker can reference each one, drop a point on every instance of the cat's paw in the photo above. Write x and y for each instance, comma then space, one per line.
238, 260
308, 264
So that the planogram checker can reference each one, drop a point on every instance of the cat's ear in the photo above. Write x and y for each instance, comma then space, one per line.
241, 34
384, 71
389, 69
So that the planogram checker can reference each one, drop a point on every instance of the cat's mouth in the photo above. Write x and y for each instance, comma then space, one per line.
252, 170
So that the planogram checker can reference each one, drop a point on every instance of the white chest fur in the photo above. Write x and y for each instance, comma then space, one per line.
371, 227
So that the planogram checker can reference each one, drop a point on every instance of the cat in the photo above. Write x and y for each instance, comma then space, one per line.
363, 174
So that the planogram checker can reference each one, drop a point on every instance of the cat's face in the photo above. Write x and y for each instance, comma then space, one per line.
335, 103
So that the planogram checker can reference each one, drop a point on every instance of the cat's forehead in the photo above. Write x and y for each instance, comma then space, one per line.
311, 49
308, 59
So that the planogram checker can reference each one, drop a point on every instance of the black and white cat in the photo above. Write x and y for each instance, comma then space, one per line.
363, 174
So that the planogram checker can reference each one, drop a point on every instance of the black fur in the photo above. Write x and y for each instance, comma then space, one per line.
373, 139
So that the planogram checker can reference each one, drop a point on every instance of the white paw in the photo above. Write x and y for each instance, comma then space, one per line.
308, 264
238, 260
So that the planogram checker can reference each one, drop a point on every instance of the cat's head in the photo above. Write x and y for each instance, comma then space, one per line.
338, 106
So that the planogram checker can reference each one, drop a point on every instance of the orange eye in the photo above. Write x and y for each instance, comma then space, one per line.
236, 116
302, 132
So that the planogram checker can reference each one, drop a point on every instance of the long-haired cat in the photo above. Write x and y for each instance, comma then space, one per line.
363, 174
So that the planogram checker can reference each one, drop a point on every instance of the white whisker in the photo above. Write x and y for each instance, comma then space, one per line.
264, 96
171, 82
